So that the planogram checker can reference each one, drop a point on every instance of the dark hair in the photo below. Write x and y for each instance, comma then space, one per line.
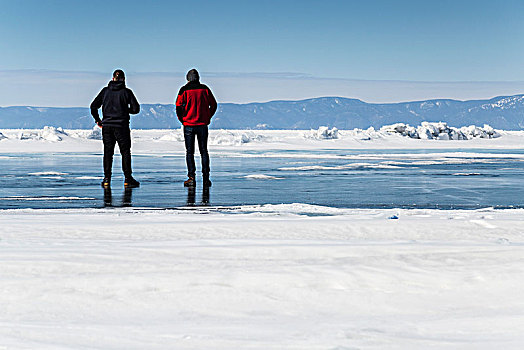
119, 75
192, 75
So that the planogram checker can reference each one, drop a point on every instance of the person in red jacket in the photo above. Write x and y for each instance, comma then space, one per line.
195, 105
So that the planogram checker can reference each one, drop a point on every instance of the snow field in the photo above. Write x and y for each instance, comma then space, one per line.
261, 277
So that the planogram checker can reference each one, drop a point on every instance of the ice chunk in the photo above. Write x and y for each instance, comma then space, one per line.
230, 138
443, 136
440, 131
173, 136
322, 133
401, 128
95, 133
50, 133
424, 133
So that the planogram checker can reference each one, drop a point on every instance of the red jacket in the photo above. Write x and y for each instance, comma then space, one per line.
195, 104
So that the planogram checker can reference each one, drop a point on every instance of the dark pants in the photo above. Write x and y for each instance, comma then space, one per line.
111, 135
201, 134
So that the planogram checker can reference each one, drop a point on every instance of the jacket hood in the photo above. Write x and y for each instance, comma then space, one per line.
117, 85
193, 83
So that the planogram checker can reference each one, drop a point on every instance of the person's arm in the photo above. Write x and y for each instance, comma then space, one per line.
180, 105
95, 106
212, 103
134, 106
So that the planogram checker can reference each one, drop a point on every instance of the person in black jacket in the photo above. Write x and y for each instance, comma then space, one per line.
117, 102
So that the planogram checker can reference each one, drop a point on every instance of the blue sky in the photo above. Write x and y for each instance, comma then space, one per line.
418, 41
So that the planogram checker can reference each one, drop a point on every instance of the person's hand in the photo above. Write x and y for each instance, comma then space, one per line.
99, 124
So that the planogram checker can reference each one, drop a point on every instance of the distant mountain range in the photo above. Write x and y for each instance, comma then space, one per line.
506, 112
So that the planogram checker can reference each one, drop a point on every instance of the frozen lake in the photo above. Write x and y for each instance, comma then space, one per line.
403, 178
353, 271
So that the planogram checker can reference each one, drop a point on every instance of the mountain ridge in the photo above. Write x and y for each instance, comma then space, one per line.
501, 112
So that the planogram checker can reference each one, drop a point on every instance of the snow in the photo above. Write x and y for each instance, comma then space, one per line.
223, 141
262, 177
466, 174
261, 277
44, 173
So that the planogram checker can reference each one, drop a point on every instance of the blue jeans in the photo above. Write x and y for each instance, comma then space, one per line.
201, 134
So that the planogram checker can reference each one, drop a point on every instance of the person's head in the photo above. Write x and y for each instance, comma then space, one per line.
192, 76
118, 75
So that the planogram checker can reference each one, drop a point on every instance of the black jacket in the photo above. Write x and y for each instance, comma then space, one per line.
117, 103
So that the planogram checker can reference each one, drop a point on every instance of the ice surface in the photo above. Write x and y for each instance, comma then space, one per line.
341, 167
44, 198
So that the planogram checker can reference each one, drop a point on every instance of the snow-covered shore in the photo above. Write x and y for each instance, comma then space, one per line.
261, 277
171, 141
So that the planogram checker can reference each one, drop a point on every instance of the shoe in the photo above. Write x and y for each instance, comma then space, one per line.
106, 182
129, 182
190, 182
206, 182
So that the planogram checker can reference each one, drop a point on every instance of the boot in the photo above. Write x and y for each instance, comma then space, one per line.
190, 182
129, 182
206, 182
106, 182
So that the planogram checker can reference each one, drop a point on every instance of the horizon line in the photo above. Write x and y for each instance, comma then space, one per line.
301, 100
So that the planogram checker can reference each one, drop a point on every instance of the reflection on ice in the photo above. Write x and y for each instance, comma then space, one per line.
127, 198
191, 197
